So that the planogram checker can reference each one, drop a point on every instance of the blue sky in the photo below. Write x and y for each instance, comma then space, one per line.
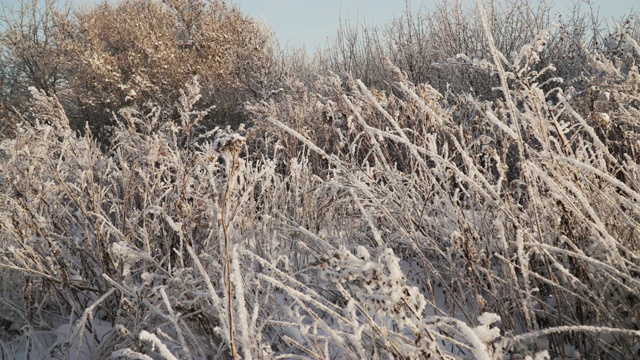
310, 22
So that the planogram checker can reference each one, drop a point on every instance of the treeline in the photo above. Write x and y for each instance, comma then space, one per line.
98, 59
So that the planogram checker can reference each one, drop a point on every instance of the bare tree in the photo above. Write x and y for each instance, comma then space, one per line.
28, 53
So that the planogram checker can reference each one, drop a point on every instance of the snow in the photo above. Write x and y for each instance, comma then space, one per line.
157, 345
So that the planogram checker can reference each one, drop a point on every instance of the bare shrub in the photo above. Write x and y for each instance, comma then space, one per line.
154, 47
443, 46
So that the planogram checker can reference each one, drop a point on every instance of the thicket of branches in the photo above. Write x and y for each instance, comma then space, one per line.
439, 46
99, 59
372, 213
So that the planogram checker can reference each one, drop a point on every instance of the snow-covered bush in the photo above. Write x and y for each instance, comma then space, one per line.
82, 228
511, 206
348, 222
155, 47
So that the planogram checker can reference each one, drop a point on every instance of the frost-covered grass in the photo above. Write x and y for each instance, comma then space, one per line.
348, 222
